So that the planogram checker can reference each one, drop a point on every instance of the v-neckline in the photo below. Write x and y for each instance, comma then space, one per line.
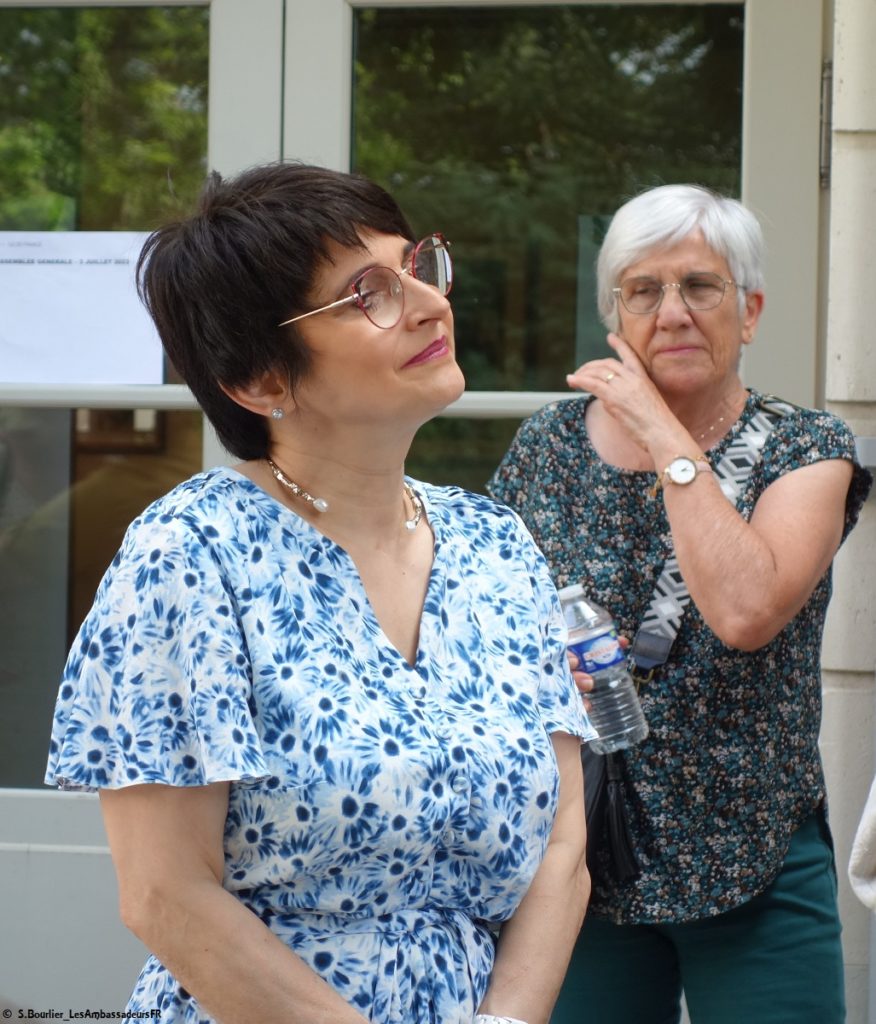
325, 544
368, 605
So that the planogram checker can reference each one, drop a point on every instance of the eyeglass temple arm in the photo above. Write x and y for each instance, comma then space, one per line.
313, 312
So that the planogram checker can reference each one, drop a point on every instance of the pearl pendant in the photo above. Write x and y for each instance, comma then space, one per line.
321, 505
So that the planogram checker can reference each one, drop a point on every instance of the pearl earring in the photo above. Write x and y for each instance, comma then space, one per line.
277, 413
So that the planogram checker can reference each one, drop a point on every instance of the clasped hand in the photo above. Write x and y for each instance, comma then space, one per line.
583, 680
626, 391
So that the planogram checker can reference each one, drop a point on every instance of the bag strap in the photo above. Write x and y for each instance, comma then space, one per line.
662, 620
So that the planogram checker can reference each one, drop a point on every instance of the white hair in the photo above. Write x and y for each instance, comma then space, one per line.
663, 217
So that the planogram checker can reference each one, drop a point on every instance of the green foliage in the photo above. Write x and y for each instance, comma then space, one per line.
103, 115
518, 131
460, 451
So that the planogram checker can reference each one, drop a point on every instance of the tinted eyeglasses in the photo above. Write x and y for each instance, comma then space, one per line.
703, 290
379, 292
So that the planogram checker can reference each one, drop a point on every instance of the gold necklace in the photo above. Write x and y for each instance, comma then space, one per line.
321, 505
717, 423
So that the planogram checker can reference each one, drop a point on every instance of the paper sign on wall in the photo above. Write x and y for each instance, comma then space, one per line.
69, 310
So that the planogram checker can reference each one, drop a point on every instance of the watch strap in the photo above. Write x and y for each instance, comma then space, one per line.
701, 463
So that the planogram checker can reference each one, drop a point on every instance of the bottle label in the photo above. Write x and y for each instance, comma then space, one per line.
598, 653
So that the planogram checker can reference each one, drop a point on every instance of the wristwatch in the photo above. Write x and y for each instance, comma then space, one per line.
682, 470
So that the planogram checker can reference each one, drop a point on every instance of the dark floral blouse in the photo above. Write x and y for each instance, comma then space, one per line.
731, 766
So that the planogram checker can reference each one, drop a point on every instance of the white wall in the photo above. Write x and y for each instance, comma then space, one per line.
62, 946
850, 386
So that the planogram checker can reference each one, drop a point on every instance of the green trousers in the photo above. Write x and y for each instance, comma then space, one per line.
774, 960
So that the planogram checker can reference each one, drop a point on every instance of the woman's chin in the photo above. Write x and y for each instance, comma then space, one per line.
452, 383
459, 388
447, 390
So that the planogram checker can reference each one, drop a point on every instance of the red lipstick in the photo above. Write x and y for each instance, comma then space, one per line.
435, 350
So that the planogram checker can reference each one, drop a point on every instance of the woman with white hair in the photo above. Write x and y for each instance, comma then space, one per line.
731, 894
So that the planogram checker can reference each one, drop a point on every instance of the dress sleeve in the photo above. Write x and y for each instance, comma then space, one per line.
559, 701
157, 685
811, 436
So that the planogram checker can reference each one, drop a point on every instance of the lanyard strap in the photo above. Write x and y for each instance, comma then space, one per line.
662, 620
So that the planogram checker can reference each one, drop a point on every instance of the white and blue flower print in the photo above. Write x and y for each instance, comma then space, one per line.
382, 816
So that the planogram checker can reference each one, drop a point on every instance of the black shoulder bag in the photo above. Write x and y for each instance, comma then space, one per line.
605, 799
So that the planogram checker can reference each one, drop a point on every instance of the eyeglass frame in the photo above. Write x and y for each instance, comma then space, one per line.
357, 298
618, 292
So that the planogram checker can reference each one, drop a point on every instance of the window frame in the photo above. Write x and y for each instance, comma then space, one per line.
779, 182
243, 128
265, 53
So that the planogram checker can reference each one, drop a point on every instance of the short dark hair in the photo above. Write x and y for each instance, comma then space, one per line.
219, 282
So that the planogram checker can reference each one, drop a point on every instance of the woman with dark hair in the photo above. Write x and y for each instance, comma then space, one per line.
669, 482
330, 719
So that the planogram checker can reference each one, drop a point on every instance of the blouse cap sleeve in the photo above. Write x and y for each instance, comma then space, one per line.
156, 687
810, 436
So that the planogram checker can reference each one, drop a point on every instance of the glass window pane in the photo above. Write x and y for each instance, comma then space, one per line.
70, 483
103, 126
517, 132
103, 121
462, 451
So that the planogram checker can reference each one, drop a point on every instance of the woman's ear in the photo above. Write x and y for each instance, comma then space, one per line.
751, 315
268, 395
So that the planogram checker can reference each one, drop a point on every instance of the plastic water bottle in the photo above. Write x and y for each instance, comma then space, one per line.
615, 710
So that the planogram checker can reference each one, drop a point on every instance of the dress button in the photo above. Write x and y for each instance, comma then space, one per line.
459, 784
449, 837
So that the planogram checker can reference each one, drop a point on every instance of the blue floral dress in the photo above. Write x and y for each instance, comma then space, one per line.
382, 817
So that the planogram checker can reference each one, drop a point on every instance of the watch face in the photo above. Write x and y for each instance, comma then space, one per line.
681, 471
